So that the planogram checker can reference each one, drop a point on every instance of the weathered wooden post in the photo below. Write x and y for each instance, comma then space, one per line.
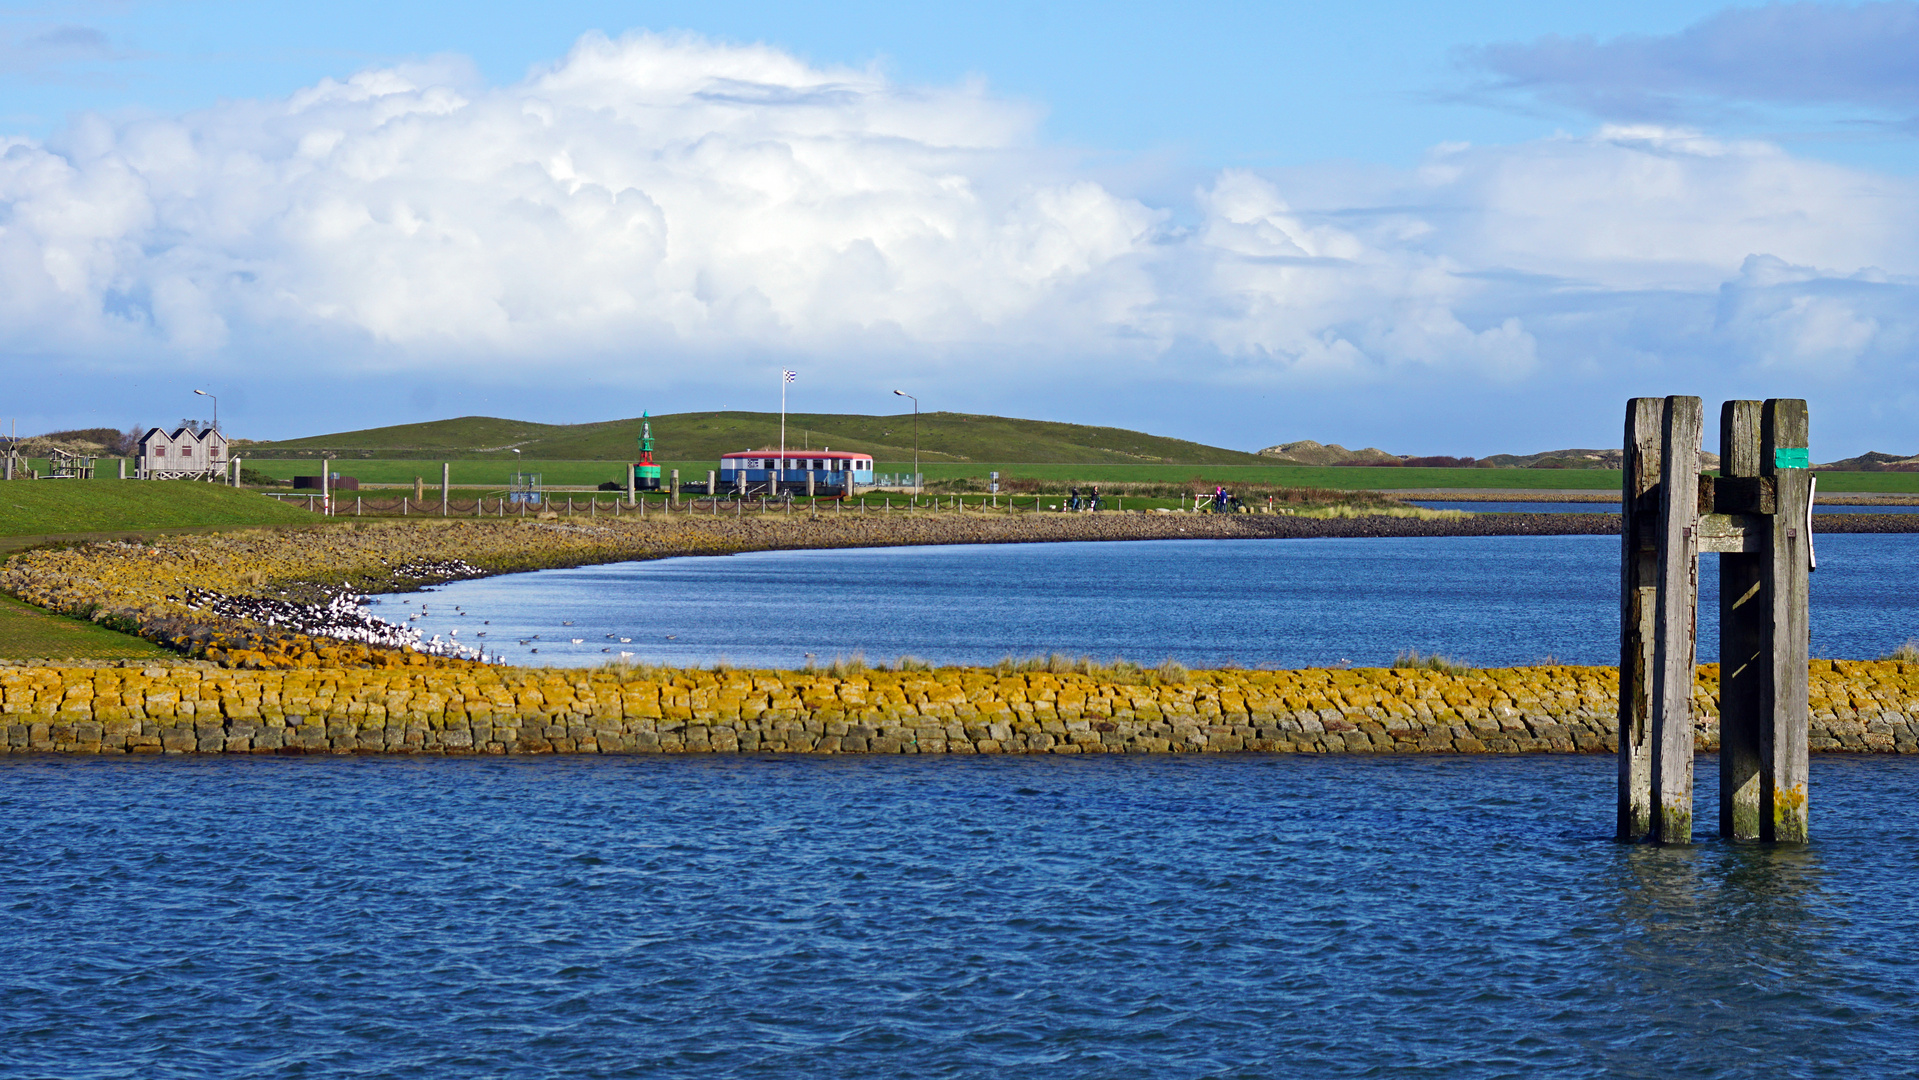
1784, 431
1757, 517
676, 489
1639, 590
1675, 626
1742, 639
446, 488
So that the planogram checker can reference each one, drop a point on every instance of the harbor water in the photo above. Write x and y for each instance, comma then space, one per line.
1149, 917
1487, 601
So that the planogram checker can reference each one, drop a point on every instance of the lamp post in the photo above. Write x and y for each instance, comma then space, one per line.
216, 407
216, 413
916, 442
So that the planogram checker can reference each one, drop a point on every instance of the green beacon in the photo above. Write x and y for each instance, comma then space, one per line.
646, 475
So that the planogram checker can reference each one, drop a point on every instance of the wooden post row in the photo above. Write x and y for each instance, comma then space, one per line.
1756, 517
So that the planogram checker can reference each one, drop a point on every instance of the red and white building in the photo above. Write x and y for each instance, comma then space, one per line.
760, 468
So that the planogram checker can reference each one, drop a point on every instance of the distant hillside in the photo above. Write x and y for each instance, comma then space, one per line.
1874, 461
102, 442
704, 436
1308, 452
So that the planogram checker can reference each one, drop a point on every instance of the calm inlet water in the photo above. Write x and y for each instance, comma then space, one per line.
1613, 507
904, 918
1285, 603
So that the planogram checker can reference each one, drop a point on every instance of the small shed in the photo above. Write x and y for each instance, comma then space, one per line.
192, 451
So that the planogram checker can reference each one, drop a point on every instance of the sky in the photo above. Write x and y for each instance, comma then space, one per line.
1433, 228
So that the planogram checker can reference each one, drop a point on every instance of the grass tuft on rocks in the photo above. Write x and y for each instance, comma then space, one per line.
1411, 660
1907, 653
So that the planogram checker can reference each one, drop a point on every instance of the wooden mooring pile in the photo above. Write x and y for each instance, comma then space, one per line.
1757, 515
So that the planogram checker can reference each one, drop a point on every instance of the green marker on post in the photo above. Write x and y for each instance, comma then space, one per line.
1791, 457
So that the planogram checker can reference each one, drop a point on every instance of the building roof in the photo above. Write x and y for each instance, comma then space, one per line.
794, 452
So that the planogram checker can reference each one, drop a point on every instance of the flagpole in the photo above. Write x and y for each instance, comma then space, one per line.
780, 476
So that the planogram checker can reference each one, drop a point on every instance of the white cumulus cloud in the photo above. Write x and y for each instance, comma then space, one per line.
651, 204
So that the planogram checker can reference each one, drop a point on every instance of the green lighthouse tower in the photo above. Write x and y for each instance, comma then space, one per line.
646, 475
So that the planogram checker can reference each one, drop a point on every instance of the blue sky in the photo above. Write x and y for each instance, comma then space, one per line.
1436, 228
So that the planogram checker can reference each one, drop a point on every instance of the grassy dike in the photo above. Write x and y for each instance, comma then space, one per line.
72, 507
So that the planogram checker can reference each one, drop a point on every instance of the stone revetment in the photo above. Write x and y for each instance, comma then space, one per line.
198, 707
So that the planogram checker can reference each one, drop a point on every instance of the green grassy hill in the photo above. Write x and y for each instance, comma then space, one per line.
58, 507
952, 437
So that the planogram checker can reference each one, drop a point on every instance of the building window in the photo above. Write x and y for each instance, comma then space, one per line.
159, 451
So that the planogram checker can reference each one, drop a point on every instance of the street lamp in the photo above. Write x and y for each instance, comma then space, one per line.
916, 442
216, 408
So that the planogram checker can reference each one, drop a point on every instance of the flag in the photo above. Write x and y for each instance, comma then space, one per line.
789, 376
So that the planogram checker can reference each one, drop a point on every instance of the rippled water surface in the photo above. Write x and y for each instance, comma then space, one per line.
904, 917
1288, 603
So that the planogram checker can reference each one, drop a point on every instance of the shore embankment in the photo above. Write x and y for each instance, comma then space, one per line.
230, 596
199, 708
270, 598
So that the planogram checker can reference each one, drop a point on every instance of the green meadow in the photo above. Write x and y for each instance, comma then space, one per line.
493, 476
28, 632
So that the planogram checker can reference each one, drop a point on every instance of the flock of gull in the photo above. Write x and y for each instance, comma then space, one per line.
531, 642
340, 617
344, 617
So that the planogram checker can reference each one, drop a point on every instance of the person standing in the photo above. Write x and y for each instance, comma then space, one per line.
1072, 503
1094, 503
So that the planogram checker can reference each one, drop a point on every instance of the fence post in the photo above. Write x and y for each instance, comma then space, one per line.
446, 488
676, 489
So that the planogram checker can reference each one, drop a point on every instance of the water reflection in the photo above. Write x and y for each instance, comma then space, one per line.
1721, 954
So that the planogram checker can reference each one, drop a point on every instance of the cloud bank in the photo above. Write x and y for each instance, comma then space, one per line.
654, 208
1787, 54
